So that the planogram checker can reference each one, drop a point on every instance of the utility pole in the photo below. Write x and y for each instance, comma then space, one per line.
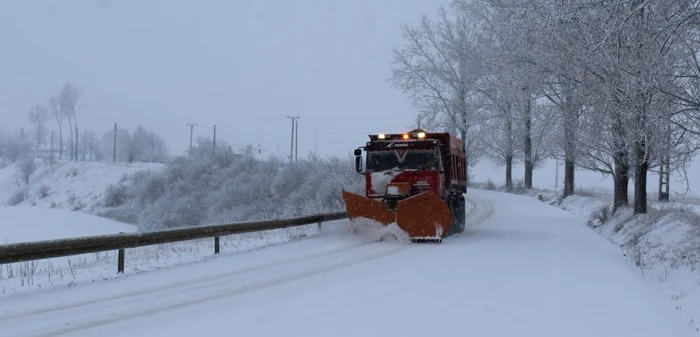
192, 125
296, 145
114, 149
214, 139
291, 145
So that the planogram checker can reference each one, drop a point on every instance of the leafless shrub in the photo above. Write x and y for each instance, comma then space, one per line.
490, 185
26, 168
43, 191
599, 216
18, 197
72, 172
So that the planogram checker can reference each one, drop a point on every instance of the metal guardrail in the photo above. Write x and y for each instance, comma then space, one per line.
37, 250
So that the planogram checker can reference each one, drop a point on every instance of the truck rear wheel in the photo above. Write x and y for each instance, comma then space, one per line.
459, 214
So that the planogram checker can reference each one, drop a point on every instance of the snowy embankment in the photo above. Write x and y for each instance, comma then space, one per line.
533, 266
663, 245
56, 204
64, 184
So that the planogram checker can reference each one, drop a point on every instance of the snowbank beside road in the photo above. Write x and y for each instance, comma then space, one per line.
663, 245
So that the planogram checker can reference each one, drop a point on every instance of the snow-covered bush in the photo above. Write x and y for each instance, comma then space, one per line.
26, 168
203, 188
43, 191
18, 197
599, 216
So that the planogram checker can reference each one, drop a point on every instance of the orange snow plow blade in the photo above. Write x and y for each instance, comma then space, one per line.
358, 206
424, 217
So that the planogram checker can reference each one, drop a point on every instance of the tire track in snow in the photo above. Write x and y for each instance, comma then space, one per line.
165, 288
131, 310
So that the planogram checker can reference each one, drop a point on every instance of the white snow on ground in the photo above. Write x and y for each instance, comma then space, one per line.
70, 271
28, 223
528, 269
70, 185
664, 246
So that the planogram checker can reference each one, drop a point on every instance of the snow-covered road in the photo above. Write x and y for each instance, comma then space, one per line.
523, 268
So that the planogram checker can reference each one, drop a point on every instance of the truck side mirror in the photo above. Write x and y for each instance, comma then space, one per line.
358, 152
358, 164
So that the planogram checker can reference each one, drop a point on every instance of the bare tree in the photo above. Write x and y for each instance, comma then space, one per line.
88, 145
39, 116
70, 100
57, 115
620, 80
437, 68
498, 116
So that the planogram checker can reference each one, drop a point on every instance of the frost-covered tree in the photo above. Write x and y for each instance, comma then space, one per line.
26, 168
70, 101
58, 116
608, 86
39, 116
141, 145
438, 68
123, 140
89, 146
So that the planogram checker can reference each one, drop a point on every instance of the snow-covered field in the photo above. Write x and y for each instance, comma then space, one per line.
31, 223
71, 185
525, 269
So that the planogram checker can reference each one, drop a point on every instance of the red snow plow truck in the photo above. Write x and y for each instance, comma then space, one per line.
415, 180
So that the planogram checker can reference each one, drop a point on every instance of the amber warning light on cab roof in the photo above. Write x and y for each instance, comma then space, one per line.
404, 136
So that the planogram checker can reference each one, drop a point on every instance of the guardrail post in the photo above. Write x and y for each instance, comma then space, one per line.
216, 245
319, 226
120, 262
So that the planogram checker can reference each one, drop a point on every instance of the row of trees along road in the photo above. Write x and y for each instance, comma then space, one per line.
607, 86
118, 145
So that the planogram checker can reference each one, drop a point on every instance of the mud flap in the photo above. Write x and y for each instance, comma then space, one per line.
424, 216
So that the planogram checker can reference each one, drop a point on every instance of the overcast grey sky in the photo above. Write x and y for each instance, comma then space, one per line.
243, 65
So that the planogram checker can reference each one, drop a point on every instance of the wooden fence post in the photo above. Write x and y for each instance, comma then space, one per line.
120, 262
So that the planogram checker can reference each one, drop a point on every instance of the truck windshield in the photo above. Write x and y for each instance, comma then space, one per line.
413, 160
